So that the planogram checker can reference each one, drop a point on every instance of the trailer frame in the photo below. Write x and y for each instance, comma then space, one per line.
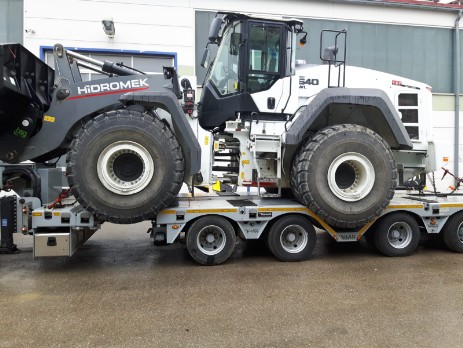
59, 230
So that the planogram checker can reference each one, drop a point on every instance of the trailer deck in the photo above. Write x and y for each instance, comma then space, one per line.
60, 230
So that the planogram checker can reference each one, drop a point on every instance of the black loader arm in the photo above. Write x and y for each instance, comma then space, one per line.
25, 94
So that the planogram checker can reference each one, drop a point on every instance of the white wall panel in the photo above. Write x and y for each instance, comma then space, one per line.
128, 34
443, 119
124, 12
157, 26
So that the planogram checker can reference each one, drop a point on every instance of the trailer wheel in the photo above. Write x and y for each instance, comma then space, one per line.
452, 233
397, 234
292, 238
125, 166
210, 240
346, 174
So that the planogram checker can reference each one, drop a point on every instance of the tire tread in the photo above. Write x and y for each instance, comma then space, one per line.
74, 157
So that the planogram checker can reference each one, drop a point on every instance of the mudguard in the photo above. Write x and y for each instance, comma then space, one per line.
367, 107
168, 102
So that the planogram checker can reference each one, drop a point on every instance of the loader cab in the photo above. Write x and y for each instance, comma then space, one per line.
247, 76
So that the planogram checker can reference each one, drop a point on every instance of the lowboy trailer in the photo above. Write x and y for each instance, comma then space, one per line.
211, 224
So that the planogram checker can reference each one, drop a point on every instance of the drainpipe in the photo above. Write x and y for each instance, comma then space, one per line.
457, 94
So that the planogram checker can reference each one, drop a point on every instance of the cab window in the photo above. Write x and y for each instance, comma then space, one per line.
225, 72
264, 56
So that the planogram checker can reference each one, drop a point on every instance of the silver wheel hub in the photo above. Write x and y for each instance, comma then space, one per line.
399, 235
351, 176
291, 237
211, 240
294, 239
125, 167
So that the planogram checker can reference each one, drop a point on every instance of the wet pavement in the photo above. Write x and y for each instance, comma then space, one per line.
121, 291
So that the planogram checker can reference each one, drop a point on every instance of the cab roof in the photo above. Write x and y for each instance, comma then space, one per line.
274, 18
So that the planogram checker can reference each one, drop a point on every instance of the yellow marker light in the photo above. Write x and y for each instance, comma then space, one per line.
37, 214
176, 227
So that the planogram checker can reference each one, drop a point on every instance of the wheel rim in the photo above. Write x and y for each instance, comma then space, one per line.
399, 235
294, 239
351, 176
125, 167
211, 240
460, 232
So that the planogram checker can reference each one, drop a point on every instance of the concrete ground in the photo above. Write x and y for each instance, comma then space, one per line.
121, 291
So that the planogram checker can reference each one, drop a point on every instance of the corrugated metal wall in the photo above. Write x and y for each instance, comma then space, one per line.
11, 21
420, 53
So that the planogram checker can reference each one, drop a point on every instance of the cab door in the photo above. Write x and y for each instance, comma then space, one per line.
266, 66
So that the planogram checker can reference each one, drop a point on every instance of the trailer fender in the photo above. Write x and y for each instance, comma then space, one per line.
168, 102
366, 107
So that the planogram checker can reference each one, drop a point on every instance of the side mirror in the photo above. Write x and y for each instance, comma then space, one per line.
329, 54
214, 29
205, 58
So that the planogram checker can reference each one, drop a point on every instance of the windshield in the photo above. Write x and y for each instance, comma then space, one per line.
224, 73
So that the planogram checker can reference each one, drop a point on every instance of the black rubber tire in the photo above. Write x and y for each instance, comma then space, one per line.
369, 238
203, 251
293, 176
286, 250
311, 165
103, 132
403, 223
26, 181
451, 234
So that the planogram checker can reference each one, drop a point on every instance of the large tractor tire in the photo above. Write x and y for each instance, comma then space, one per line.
125, 166
346, 174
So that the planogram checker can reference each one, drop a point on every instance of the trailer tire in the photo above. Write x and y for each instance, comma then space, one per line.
452, 233
125, 166
370, 240
292, 238
397, 234
346, 174
210, 240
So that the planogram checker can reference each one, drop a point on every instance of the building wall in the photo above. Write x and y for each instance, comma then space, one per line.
419, 38
155, 25
420, 53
